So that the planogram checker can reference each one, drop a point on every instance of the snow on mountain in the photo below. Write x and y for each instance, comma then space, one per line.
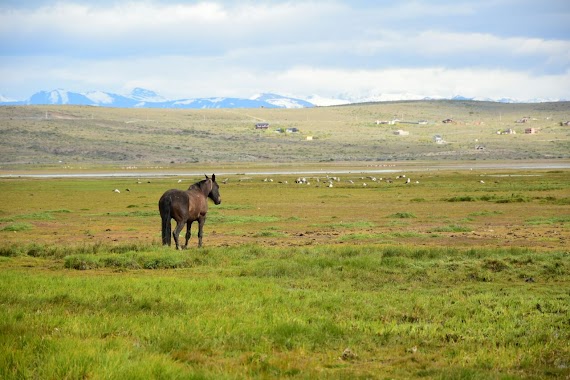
100, 97
145, 95
320, 101
143, 98
282, 101
58, 96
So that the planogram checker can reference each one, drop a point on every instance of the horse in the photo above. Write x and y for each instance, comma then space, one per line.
186, 207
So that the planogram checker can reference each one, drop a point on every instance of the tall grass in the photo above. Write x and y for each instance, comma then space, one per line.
257, 312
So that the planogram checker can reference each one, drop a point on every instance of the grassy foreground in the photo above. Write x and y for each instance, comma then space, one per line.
456, 275
304, 312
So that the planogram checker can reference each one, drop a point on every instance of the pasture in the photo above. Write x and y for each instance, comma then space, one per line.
74, 138
459, 274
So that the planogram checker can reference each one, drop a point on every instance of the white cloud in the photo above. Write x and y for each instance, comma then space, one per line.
199, 49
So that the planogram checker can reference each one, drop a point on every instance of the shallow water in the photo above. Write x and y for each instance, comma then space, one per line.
403, 168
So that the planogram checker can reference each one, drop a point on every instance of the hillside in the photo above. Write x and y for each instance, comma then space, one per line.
71, 135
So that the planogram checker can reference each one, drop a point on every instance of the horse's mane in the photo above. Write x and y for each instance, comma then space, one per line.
197, 185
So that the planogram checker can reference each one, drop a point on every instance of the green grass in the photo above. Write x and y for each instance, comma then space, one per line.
16, 227
562, 219
257, 312
452, 228
215, 217
382, 236
290, 277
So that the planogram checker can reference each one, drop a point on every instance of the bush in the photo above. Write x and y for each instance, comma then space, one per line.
402, 215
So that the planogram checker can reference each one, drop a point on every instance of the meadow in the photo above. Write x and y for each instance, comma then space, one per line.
75, 138
462, 273
459, 274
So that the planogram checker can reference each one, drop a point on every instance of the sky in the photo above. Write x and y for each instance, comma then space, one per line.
356, 49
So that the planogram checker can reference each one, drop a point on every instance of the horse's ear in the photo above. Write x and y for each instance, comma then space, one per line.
206, 176
214, 177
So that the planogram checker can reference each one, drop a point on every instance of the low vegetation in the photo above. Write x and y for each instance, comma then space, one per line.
77, 137
448, 272
438, 279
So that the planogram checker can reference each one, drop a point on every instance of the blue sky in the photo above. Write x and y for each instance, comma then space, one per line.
352, 49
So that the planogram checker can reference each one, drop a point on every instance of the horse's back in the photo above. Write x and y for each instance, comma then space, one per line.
175, 200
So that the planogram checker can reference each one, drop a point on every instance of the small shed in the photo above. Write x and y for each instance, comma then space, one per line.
261, 125
292, 130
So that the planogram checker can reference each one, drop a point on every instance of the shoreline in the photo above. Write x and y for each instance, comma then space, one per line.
279, 169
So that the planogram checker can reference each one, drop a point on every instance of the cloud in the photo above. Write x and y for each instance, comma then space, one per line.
225, 48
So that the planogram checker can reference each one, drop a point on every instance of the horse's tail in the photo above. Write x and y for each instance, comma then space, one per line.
165, 207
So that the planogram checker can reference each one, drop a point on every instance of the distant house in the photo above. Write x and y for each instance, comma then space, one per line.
292, 130
422, 122
378, 122
438, 139
401, 132
525, 119
530, 131
261, 125
508, 131
446, 121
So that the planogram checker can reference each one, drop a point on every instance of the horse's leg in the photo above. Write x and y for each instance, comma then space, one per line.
188, 228
176, 233
201, 222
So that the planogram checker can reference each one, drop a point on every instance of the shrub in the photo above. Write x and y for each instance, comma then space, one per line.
464, 198
402, 215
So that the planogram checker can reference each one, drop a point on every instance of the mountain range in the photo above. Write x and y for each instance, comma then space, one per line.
143, 98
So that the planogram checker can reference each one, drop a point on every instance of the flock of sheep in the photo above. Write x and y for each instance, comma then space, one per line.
329, 181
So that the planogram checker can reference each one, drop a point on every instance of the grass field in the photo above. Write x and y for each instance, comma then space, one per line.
462, 275
74, 137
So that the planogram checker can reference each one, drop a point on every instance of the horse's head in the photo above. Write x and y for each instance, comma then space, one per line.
214, 194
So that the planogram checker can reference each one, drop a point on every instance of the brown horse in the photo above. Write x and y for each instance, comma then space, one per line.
185, 207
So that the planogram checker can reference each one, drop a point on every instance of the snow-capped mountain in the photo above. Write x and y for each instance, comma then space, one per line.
145, 95
280, 101
326, 102
143, 98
